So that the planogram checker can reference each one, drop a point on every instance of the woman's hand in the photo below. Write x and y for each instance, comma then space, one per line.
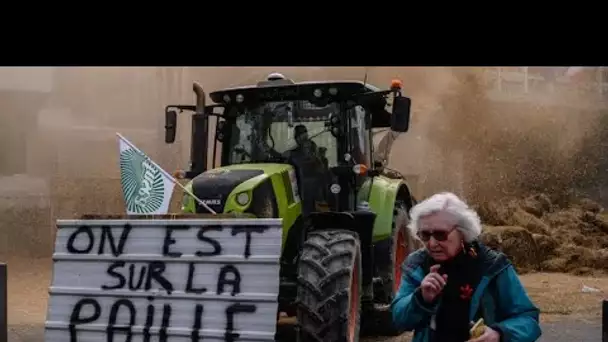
489, 335
432, 284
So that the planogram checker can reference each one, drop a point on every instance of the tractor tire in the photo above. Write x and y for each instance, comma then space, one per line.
329, 287
401, 245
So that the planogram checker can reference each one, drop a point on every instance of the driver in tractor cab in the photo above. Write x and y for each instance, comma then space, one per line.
304, 144
310, 167
309, 148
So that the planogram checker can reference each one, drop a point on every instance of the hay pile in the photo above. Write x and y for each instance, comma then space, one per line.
543, 234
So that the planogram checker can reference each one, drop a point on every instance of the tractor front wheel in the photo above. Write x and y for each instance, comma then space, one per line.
329, 287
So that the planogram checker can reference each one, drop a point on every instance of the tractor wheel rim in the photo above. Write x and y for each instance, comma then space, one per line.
354, 303
400, 253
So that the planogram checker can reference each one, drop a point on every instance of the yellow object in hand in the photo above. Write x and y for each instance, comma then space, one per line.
478, 328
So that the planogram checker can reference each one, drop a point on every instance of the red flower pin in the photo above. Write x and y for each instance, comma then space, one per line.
466, 292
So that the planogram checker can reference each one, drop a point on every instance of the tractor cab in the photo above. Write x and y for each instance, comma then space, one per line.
323, 129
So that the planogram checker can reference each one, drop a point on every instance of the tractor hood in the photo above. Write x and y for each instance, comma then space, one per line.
215, 186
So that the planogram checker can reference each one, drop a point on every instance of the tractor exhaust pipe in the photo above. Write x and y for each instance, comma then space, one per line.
200, 97
200, 127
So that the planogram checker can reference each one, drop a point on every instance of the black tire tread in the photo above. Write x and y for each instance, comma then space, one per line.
327, 262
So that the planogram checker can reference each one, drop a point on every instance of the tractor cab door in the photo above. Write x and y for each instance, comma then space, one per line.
360, 146
360, 141
313, 157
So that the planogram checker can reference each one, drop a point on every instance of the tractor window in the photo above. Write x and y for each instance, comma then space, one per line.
269, 132
284, 136
240, 140
360, 140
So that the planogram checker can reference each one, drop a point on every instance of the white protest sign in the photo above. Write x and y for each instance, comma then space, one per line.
144, 280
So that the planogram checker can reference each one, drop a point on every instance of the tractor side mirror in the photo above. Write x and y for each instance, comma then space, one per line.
400, 118
170, 126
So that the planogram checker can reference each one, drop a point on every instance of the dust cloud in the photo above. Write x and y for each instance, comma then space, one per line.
59, 155
552, 144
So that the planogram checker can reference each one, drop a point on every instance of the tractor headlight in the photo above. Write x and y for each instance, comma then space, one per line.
242, 198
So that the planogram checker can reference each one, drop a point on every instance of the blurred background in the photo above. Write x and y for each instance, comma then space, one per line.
484, 133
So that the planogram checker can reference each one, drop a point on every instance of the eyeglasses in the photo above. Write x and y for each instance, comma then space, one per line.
440, 235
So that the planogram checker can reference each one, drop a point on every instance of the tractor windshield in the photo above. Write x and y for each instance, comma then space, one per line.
280, 131
300, 134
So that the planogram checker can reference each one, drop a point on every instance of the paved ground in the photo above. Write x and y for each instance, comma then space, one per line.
29, 281
563, 331
572, 331
559, 331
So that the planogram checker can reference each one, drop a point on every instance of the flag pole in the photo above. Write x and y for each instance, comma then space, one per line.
198, 200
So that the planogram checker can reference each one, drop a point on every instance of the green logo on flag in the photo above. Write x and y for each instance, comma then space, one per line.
142, 183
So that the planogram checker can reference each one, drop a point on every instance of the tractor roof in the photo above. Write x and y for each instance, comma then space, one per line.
287, 90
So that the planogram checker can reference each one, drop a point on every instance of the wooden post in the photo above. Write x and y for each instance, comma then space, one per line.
605, 321
3, 303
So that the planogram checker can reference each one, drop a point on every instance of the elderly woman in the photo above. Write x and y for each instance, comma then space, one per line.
456, 280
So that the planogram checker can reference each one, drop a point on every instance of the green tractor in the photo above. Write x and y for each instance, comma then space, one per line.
302, 152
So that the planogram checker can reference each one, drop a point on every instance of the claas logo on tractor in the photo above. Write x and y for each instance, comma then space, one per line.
301, 152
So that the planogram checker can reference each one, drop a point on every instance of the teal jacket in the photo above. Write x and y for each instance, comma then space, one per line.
499, 298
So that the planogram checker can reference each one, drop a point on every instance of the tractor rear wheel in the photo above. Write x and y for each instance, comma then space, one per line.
401, 245
329, 287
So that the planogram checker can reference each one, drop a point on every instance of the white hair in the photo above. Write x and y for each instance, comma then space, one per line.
468, 221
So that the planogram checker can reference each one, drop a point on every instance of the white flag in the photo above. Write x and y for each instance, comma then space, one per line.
146, 187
